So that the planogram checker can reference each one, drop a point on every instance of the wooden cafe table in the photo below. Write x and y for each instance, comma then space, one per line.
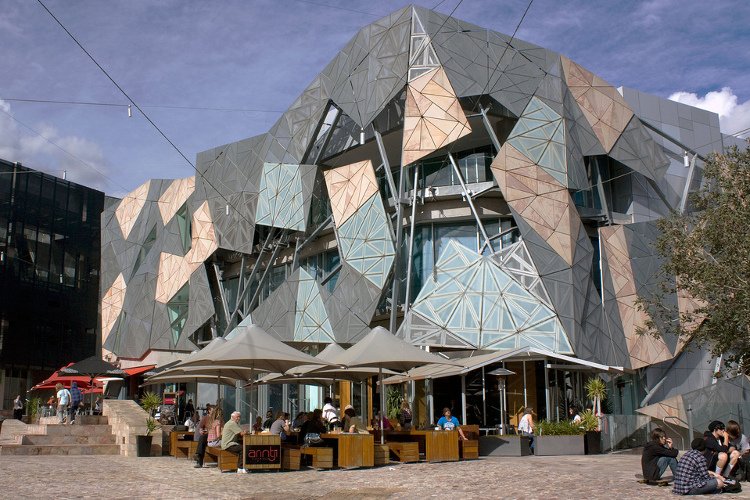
437, 446
351, 449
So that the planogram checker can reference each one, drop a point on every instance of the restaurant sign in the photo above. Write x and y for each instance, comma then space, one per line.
262, 455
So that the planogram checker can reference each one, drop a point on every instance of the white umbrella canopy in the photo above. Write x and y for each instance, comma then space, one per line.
253, 348
208, 370
383, 350
209, 379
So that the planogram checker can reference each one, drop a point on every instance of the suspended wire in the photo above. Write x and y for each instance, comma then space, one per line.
64, 150
339, 8
143, 106
145, 115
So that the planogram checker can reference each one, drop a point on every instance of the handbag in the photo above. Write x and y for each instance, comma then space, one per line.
313, 439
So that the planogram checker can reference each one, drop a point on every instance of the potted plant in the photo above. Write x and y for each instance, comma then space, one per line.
150, 402
393, 404
32, 409
558, 438
593, 436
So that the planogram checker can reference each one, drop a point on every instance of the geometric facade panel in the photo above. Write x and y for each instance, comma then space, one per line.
472, 298
311, 321
130, 207
366, 242
280, 198
604, 107
349, 187
433, 117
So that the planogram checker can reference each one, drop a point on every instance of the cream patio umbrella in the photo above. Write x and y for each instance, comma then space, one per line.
254, 349
382, 350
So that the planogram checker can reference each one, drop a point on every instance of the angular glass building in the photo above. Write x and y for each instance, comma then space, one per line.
471, 192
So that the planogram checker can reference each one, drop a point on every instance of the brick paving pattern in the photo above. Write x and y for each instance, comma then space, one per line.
117, 477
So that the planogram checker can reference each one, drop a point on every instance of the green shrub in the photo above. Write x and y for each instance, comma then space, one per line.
564, 428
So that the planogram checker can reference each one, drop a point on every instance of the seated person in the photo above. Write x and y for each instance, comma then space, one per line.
280, 426
258, 425
692, 476
450, 423
575, 417
269, 420
386, 423
717, 449
231, 437
737, 440
301, 419
658, 454
353, 423
313, 425
201, 435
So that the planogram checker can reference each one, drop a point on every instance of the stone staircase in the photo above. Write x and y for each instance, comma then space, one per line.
54, 439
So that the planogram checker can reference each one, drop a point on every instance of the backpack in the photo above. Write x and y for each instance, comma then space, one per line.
731, 487
741, 471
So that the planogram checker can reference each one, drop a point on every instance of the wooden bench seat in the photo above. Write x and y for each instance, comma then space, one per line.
469, 450
185, 449
405, 452
322, 458
226, 460
290, 457
382, 455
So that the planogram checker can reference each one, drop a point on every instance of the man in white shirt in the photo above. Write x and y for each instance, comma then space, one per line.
63, 400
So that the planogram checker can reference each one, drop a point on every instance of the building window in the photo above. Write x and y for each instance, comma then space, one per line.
177, 308
148, 243
186, 230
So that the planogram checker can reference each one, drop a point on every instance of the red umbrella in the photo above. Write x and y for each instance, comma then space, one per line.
65, 380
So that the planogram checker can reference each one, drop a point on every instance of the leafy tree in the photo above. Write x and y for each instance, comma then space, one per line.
706, 256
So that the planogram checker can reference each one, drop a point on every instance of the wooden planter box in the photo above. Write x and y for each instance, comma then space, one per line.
558, 445
504, 446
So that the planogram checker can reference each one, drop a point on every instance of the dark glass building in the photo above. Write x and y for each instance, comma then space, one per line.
49, 275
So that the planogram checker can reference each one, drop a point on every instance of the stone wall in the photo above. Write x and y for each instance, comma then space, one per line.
128, 420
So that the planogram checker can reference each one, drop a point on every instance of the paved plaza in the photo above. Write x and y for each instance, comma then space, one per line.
104, 477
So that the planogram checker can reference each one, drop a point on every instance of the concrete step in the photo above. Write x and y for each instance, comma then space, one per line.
69, 430
64, 449
43, 439
80, 419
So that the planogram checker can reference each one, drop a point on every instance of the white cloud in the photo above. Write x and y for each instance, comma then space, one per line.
732, 116
48, 151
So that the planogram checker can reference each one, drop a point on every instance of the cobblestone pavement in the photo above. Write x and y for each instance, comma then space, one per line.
115, 477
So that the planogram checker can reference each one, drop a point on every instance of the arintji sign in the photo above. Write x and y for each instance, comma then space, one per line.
262, 454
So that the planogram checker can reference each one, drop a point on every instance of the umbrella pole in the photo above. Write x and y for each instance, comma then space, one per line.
382, 404
91, 396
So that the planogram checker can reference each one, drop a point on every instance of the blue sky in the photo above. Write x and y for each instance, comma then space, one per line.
250, 60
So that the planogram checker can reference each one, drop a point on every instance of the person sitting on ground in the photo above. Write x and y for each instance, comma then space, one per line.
737, 440
404, 418
658, 454
717, 449
526, 427
330, 414
231, 437
258, 425
692, 476
354, 424
269, 420
575, 417
280, 427
201, 435
450, 423
313, 428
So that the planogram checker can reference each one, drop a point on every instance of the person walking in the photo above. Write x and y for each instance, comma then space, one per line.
18, 408
76, 400
63, 401
526, 427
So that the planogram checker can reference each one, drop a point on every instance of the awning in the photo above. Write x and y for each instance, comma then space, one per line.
137, 370
472, 363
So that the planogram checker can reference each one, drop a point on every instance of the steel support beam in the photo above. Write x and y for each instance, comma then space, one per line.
223, 296
386, 166
688, 181
488, 126
471, 204
407, 293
